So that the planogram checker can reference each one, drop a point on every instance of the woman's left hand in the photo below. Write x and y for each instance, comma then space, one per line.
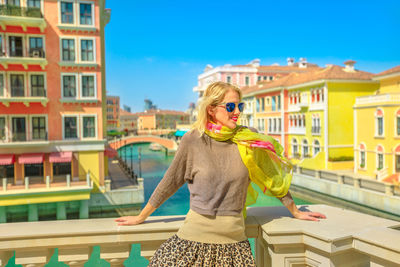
309, 215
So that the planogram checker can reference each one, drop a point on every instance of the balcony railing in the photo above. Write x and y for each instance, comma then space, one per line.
374, 99
297, 130
10, 10
25, 137
315, 129
344, 237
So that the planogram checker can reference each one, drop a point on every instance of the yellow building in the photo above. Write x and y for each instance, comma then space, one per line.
377, 129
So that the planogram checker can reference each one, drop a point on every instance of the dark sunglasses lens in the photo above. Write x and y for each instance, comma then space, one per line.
241, 107
230, 107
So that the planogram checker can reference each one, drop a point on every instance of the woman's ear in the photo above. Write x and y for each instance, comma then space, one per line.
210, 111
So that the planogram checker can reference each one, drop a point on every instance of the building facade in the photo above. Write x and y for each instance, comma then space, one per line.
52, 90
377, 129
113, 111
156, 119
128, 122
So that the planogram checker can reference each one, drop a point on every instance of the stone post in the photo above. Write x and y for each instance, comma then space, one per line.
4, 184
26, 183
68, 180
340, 179
357, 182
389, 189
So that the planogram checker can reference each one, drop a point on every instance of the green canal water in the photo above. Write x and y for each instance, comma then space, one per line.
155, 163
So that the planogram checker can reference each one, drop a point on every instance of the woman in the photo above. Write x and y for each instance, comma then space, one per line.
216, 159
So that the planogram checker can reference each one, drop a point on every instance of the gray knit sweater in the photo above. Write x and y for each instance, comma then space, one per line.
216, 175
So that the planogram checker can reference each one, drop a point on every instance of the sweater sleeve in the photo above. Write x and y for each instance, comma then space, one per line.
176, 175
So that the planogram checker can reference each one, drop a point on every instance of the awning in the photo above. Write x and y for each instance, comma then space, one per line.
180, 133
31, 158
60, 157
7, 159
110, 152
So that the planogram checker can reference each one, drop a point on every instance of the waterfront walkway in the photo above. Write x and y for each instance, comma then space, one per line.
119, 178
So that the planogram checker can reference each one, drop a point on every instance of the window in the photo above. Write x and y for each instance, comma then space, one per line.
87, 53
13, 2
89, 125
85, 14
15, 46
397, 120
379, 122
63, 168
36, 47
258, 105
228, 79
1, 85
380, 126
69, 86
67, 12
280, 125
279, 102
362, 159
275, 124
1, 46
264, 78
294, 147
37, 85
39, 128
18, 129
70, 127
305, 148
263, 104
269, 125
17, 85
88, 88
316, 147
247, 80
271, 78
2, 128
32, 170
273, 103
259, 78
68, 50
397, 162
380, 160
34, 3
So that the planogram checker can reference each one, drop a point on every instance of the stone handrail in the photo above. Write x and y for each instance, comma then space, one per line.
344, 238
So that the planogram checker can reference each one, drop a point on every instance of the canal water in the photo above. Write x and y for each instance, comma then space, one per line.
153, 166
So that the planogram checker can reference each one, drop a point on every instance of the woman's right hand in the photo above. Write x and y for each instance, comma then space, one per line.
130, 220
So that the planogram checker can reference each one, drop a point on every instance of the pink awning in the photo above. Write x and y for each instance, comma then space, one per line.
31, 158
7, 159
60, 157
110, 152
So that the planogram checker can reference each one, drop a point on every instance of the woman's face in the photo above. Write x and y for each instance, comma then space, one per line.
221, 116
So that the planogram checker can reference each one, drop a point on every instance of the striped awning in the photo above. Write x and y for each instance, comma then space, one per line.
60, 157
31, 158
7, 159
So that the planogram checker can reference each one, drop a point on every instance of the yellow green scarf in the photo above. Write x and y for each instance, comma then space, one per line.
262, 155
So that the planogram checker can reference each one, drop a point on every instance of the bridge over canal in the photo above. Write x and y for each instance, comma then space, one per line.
169, 145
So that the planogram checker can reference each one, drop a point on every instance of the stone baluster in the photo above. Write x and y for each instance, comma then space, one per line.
4, 184
68, 180
357, 182
26, 183
115, 255
33, 258
47, 181
76, 256
389, 189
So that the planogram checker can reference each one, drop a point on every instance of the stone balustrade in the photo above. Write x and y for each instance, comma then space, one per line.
345, 238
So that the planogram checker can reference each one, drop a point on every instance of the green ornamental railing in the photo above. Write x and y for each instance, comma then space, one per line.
10, 10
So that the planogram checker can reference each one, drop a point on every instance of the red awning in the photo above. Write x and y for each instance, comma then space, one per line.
31, 158
110, 152
60, 157
7, 159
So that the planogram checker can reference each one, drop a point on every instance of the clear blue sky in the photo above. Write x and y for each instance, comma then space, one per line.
156, 49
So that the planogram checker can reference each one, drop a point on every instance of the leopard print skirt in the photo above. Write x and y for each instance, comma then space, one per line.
180, 252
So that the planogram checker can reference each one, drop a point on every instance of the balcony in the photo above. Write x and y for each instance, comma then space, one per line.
297, 130
393, 98
33, 57
24, 138
21, 16
316, 130
345, 237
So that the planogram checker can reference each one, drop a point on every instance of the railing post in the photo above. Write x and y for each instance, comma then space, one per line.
389, 189
47, 181
357, 182
4, 184
317, 174
26, 183
88, 178
68, 180
340, 179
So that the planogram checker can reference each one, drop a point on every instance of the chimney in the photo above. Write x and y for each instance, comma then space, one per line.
349, 65
290, 61
303, 63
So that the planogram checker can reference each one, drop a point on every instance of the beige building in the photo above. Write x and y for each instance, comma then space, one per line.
128, 122
161, 119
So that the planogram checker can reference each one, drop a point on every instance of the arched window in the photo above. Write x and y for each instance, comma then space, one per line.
317, 147
305, 149
397, 118
379, 158
379, 123
290, 121
312, 96
304, 121
362, 156
295, 149
397, 159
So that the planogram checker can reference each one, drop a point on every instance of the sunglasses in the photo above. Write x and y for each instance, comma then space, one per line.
230, 106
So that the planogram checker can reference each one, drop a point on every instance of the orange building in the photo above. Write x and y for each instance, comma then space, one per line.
153, 119
52, 90
113, 110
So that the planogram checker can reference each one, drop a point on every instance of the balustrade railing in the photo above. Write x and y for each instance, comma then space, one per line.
11, 10
345, 237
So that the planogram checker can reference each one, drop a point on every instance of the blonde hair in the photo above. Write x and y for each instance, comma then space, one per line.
213, 95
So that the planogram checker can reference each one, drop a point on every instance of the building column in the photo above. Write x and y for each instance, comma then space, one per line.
33, 213
61, 211
84, 209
